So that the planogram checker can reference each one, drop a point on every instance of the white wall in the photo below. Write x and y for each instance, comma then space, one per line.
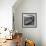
6, 13
43, 22
32, 6
28, 6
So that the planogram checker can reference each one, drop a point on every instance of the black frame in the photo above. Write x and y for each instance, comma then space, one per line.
31, 17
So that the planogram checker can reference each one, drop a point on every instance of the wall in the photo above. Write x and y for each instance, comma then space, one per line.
6, 13
43, 22
28, 6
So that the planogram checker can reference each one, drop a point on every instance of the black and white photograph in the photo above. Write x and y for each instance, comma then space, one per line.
29, 20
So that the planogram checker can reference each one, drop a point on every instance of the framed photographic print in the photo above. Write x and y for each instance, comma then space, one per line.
29, 20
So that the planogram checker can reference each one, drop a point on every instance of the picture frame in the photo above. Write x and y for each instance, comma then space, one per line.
29, 20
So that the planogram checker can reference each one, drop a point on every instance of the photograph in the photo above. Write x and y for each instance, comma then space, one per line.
29, 20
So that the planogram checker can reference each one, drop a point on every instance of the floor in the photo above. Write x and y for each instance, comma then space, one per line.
15, 41
9, 43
